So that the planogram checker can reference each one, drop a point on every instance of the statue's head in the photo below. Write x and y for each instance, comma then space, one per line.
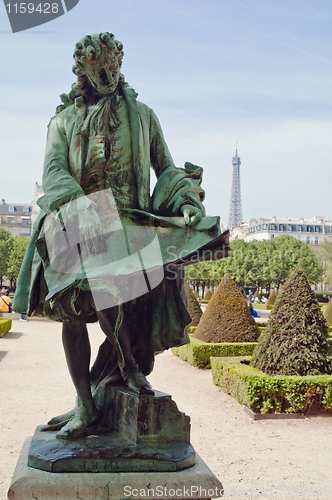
98, 58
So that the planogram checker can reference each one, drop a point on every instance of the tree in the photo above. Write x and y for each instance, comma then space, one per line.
15, 260
324, 255
6, 245
295, 341
264, 264
290, 253
200, 274
239, 263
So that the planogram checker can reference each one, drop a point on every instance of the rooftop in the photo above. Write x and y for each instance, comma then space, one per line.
15, 208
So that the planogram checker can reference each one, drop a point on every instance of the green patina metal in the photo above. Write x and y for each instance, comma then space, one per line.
101, 145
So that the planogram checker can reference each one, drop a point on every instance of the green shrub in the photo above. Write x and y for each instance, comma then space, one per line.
272, 298
208, 295
5, 326
193, 307
295, 341
198, 353
269, 307
227, 317
328, 313
264, 393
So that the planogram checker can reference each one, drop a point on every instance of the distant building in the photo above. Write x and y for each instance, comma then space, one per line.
16, 218
311, 231
235, 208
239, 232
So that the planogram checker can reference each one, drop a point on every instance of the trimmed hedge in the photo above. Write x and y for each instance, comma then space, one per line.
208, 295
261, 328
194, 309
5, 326
272, 394
272, 298
198, 353
295, 341
227, 317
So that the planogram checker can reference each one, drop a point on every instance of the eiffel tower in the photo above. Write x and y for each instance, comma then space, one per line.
235, 208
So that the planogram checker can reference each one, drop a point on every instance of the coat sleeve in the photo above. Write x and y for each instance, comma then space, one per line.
58, 183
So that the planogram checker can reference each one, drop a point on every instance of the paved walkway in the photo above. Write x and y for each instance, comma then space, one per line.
264, 458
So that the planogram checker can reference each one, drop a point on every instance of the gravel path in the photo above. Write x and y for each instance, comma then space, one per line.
279, 459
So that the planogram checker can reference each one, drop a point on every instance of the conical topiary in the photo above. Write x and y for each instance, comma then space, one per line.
328, 313
227, 317
194, 310
257, 294
208, 295
295, 341
196, 294
272, 298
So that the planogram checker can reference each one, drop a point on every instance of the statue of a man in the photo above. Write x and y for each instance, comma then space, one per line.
100, 147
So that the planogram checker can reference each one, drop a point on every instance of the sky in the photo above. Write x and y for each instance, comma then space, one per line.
219, 74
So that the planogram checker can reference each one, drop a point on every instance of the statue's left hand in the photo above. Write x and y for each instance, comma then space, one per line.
191, 215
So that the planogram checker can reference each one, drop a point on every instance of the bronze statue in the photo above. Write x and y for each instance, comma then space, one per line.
97, 212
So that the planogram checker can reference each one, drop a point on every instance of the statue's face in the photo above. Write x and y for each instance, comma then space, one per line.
103, 73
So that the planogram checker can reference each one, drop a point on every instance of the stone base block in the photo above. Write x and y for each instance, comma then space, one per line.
28, 483
106, 453
138, 433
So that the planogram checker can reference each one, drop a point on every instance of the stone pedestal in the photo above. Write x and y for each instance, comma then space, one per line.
28, 483
141, 449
